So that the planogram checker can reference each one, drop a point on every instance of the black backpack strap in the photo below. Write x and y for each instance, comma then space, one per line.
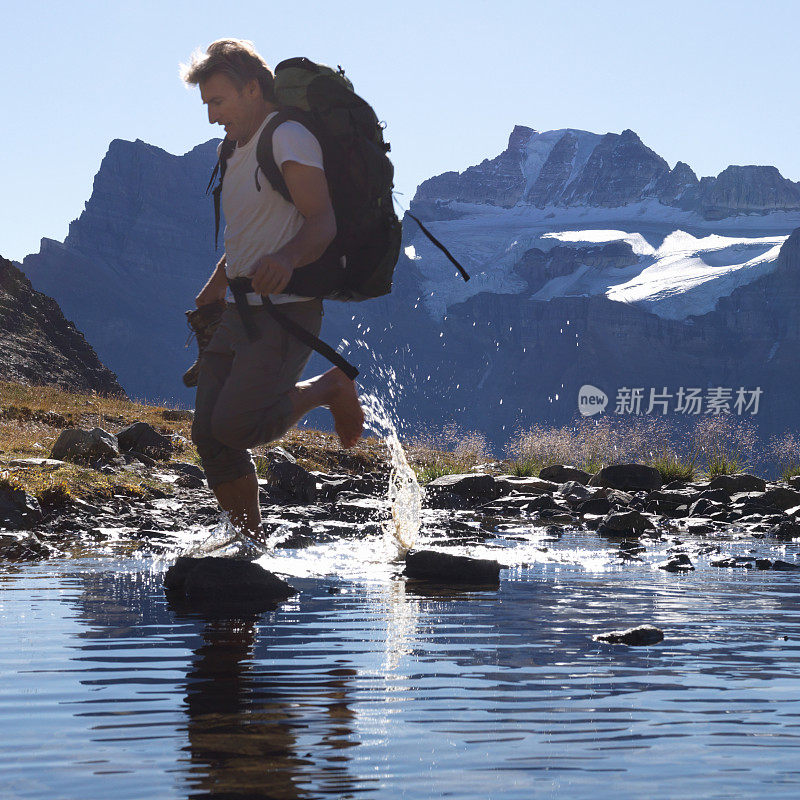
241, 287
440, 246
228, 146
266, 156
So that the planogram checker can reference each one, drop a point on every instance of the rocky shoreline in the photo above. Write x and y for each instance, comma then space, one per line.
625, 504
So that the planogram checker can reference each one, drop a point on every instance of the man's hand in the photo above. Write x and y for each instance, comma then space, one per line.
271, 273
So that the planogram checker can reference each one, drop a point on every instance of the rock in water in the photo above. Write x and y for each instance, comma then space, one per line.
213, 582
639, 636
431, 565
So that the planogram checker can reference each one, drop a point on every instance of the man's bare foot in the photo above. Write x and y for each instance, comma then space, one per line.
335, 391
348, 416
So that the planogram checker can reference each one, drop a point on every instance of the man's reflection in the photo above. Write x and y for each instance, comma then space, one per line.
257, 726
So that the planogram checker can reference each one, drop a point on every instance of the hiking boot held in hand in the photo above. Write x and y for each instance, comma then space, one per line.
203, 321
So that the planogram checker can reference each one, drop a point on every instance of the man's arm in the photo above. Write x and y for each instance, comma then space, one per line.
215, 288
309, 190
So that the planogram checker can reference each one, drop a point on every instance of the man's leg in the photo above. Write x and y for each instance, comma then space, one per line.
230, 471
239, 498
335, 391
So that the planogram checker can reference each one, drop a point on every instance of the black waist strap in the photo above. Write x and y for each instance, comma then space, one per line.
241, 287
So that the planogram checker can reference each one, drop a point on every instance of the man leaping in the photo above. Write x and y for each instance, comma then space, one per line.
248, 392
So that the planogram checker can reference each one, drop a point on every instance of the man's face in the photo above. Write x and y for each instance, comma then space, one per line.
237, 112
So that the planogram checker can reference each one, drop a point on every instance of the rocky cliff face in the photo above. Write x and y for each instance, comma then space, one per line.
39, 346
134, 261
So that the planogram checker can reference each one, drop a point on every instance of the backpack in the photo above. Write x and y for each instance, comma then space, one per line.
360, 261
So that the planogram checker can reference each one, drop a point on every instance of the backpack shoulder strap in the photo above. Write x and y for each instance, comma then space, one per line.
226, 151
266, 156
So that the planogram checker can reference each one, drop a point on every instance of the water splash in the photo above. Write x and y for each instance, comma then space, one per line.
405, 494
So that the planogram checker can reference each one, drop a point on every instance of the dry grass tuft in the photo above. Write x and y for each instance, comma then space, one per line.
447, 451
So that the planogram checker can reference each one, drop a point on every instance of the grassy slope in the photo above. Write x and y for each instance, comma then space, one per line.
31, 418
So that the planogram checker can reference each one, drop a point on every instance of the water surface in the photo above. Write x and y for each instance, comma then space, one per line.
365, 685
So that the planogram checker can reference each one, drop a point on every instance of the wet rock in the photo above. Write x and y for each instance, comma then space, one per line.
624, 524
85, 447
144, 438
679, 562
628, 477
18, 509
699, 525
784, 566
212, 582
594, 505
668, 503
329, 488
714, 495
555, 515
558, 473
640, 636
785, 530
350, 507
730, 562
574, 492
432, 565
781, 497
297, 482
704, 507
742, 482
25, 547
519, 504
529, 485
473, 488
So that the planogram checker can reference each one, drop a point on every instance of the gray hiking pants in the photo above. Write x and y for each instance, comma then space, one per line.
242, 388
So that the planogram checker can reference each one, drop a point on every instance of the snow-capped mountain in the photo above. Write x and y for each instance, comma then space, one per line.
592, 262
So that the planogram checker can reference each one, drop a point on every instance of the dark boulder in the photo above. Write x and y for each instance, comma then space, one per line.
472, 487
781, 497
25, 547
624, 524
786, 530
514, 505
558, 473
678, 562
18, 509
432, 565
298, 483
785, 566
212, 582
144, 438
594, 505
628, 477
741, 482
640, 636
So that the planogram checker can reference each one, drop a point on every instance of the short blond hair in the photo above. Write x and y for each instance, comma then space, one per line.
237, 59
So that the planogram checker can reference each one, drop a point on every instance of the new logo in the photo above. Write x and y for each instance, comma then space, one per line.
591, 400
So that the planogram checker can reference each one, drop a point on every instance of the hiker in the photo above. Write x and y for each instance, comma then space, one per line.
248, 389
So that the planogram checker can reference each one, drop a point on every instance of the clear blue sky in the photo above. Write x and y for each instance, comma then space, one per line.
709, 82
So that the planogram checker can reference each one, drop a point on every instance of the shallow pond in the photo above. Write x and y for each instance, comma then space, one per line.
365, 685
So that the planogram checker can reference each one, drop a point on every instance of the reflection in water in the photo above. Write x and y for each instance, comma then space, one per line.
253, 731
363, 683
